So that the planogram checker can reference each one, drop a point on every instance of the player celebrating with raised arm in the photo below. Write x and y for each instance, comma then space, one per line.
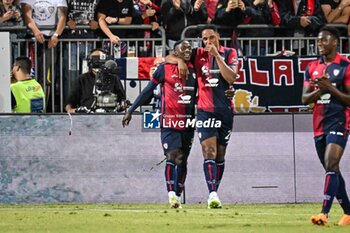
327, 85
216, 68
178, 100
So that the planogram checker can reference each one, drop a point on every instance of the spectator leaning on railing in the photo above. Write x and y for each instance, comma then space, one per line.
112, 12
336, 11
80, 13
38, 12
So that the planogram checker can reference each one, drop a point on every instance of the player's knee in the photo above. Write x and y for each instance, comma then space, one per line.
220, 159
181, 160
177, 157
331, 165
209, 152
220, 156
171, 157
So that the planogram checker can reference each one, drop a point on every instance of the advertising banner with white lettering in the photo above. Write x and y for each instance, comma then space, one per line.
270, 84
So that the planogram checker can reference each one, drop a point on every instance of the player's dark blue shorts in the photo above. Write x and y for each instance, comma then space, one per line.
222, 133
177, 139
321, 142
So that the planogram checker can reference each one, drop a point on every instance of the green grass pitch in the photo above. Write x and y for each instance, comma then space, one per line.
154, 218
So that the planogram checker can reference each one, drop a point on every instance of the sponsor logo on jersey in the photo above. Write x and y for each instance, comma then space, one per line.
324, 99
184, 99
212, 82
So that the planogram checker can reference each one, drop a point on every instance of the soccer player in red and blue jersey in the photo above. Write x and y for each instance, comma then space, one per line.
327, 86
216, 69
177, 110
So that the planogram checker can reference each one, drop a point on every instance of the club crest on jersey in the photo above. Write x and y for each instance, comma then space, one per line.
174, 76
212, 82
178, 87
205, 71
336, 72
165, 145
184, 99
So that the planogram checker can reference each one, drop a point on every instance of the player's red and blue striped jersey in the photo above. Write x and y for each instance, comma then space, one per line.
178, 95
211, 84
329, 114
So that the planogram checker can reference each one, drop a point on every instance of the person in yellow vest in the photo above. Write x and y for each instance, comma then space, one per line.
27, 95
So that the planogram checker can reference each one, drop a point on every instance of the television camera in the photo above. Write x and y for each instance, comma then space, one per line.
106, 74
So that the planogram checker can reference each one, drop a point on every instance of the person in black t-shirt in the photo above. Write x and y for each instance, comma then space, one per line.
112, 12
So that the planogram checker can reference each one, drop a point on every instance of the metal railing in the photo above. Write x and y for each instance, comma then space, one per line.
262, 46
54, 68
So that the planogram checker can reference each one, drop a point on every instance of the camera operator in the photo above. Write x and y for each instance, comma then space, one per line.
86, 91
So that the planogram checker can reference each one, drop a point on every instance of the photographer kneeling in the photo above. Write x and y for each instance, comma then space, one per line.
100, 89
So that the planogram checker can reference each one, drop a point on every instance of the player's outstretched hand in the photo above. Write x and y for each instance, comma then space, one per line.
126, 119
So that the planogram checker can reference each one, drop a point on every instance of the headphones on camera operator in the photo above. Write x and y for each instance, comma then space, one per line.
104, 56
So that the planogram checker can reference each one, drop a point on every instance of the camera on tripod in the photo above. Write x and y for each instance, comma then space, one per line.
106, 74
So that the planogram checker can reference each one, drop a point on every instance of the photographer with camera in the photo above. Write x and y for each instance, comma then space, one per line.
98, 90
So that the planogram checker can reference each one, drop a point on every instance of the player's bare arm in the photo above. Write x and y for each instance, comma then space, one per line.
145, 94
228, 72
310, 95
126, 119
325, 85
181, 64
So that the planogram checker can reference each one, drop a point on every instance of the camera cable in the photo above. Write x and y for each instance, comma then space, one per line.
71, 124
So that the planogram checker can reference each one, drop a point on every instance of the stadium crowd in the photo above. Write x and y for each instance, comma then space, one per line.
295, 18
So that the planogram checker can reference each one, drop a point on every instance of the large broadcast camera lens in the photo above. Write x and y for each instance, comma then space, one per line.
106, 76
